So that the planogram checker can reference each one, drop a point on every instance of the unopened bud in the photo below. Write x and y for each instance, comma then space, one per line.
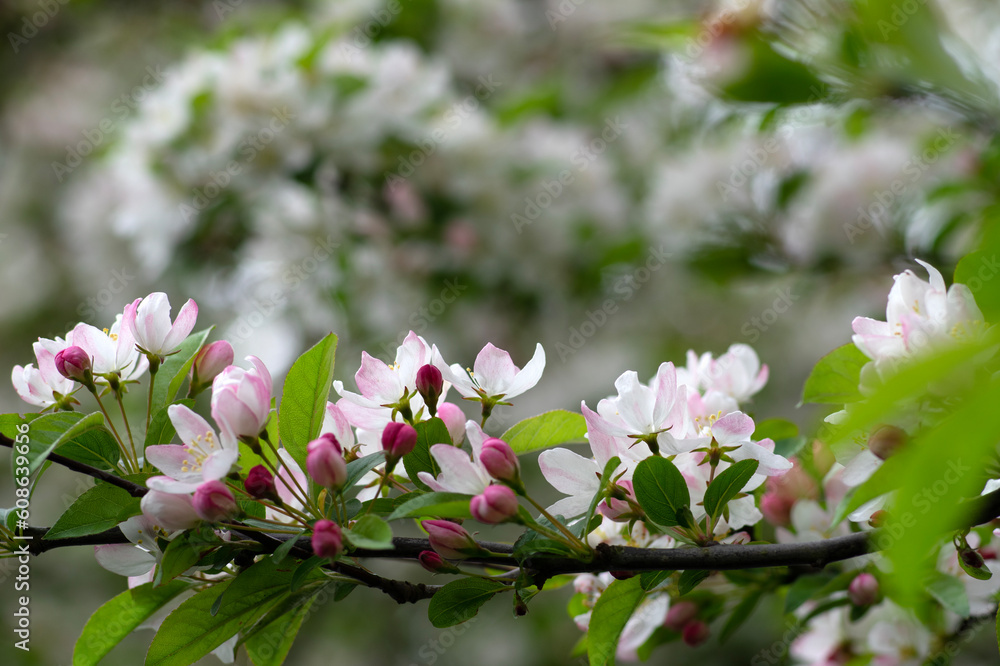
429, 385
863, 590
777, 510
680, 614
325, 462
327, 539
886, 441
500, 461
494, 505
879, 518
451, 540
259, 483
435, 563
398, 439
695, 633
74, 363
211, 360
214, 502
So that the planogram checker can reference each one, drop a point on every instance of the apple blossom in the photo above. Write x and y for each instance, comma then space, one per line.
259, 483
210, 360
241, 399
74, 363
454, 420
398, 439
734, 430
496, 504
135, 559
204, 456
214, 502
459, 473
171, 511
327, 539
148, 320
112, 351
31, 386
500, 462
430, 384
494, 376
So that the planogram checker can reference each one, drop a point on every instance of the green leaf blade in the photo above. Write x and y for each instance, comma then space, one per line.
660, 490
304, 397
460, 600
546, 430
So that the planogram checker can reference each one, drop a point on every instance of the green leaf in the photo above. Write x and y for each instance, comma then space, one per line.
728, 485
836, 376
304, 398
370, 532
613, 609
100, 508
303, 571
460, 600
429, 433
191, 631
690, 579
660, 490
50, 431
546, 430
740, 614
175, 369
950, 593
97, 448
281, 552
440, 505
161, 429
185, 551
10, 422
776, 429
651, 579
803, 589
976, 270
117, 618
358, 468
271, 646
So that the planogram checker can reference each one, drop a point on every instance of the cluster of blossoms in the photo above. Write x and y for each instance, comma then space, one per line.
674, 462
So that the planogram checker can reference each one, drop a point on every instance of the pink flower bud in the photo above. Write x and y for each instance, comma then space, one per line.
680, 614
260, 483
695, 633
863, 590
327, 539
454, 420
500, 461
617, 507
450, 539
212, 359
214, 502
73, 363
435, 563
777, 510
494, 505
886, 441
879, 518
325, 462
429, 385
398, 439
169, 510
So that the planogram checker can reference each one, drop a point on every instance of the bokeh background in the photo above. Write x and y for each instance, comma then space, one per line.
619, 181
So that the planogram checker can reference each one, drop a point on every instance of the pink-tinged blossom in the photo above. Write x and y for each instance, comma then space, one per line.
171, 511
203, 456
148, 320
648, 412
920, 316
135, 559
734, 430
496, 504
289, 480
863, 590
214, 502
380, 385
454, 420
696, 471
241, 399
646, 619
494, 374
737, 374
111, 351
31, 386
327, 539
459, 473
579, 477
